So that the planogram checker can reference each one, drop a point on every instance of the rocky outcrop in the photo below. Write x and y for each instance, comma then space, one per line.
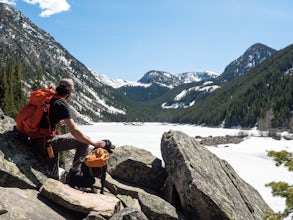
194, 185
207, 187
20, 168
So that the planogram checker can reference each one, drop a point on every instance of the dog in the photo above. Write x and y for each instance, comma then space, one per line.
84, 177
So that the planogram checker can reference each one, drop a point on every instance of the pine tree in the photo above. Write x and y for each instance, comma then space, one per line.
282, 189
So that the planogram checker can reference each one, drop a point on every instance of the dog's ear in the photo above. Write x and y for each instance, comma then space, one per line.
109, 146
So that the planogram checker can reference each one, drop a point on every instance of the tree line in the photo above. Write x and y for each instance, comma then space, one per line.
11, 95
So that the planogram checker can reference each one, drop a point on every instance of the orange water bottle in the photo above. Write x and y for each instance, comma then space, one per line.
50, 152
50, 149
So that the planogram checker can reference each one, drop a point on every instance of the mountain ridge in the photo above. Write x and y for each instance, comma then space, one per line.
46, 61
168, 98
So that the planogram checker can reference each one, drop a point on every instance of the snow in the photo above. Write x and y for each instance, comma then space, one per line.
248, 158
180, 95
103, 78
177, 99
189, 77
212, 73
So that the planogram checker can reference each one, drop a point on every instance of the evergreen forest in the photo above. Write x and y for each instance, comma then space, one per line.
263, 97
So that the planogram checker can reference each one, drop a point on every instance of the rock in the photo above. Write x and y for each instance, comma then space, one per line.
119, 187
6, 123
27, 204
130, 202
137, 166
79, 201
18, 165
94, 216
208, 187
215, 141
2, 209
129, 214
288, 137
156, 208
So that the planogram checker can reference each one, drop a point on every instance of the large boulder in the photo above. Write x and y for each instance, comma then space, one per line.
137, 166
207, 187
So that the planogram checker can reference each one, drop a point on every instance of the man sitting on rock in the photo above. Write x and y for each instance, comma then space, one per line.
76, 139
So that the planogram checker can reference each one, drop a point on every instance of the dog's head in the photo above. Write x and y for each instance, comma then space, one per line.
109, 146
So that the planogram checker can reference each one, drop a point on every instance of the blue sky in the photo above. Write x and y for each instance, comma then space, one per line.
126, 38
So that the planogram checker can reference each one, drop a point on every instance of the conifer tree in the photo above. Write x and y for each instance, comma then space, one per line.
281, 188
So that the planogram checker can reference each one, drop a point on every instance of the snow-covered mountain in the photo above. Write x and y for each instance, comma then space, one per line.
170, 80
97, 96
253, 56
115, 83
44, 61
156, 83
160, 77
190, 77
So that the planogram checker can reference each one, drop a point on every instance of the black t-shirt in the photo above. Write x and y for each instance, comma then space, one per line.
59, 110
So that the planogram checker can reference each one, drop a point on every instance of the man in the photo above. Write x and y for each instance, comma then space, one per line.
60, 111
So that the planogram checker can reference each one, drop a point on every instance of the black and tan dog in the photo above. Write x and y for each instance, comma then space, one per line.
84, 177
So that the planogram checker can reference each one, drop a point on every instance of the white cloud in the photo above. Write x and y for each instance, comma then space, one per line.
10, 2
50, 7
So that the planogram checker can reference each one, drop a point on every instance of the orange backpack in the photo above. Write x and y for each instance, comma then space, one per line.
97, 158
29, 117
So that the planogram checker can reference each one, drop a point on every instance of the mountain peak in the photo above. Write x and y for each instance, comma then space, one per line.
254, 55
160, 77
189, 77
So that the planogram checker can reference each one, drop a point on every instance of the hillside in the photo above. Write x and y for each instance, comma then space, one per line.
41, 61
263, 96
253, 56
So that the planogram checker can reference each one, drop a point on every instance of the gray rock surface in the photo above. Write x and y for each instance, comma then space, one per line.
137, 166
19, 167
27, 204
79, 201
207, 186
155, 207
129, 214
6, 123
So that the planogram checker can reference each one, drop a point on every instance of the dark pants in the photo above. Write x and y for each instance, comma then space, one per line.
61, 143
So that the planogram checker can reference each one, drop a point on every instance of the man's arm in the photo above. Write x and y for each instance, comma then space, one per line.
80, 136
